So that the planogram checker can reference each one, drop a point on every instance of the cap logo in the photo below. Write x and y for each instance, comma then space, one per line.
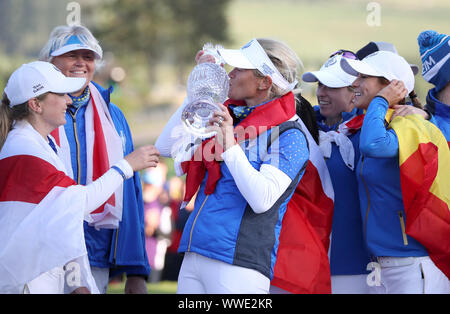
267, 70
330, 62
247, 45
373, 54
37, 88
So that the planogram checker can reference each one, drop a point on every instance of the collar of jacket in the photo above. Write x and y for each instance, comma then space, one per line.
106, 93
434, 106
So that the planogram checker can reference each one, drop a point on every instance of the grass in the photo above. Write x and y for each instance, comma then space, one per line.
315, 29
163, 287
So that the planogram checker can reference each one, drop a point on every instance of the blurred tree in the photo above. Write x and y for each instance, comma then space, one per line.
25, 25
162, 30
197, 22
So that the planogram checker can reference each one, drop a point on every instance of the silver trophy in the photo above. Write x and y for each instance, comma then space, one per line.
207, 85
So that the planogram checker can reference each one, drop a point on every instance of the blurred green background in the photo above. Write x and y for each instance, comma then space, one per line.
150, 44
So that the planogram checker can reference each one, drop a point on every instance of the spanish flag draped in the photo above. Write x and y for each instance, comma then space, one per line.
424, 159
302, 264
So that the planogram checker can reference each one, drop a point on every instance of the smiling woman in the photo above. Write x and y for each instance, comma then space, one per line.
37, 196
52, 109
78, 63
74, 51
348, 256
96, 135
395, 212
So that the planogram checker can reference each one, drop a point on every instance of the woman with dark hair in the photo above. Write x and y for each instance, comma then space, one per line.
401, 181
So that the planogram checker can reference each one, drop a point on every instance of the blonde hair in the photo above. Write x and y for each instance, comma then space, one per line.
8, 115
284, 59
60, 35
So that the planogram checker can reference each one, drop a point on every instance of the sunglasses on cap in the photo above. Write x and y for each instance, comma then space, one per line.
345, 54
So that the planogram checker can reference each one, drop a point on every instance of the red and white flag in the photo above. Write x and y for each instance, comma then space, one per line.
41, 212
104, 147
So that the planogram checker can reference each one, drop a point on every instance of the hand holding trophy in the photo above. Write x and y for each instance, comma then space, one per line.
207, 85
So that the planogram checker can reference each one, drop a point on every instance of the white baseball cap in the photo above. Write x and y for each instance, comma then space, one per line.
330, 74
381, 45
75, 43
383, 64
253, 56
37, 78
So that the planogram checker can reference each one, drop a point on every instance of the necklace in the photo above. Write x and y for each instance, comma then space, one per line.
83, 99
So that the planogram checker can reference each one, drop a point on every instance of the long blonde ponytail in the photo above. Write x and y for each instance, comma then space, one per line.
5, 119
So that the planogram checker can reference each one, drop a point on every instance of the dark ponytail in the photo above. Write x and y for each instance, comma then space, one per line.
412, 96
415, 100
306, 112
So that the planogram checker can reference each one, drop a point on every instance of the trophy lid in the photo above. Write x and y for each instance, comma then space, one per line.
208, 84
208, 80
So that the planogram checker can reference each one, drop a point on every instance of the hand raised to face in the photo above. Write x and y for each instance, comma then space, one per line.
394, 92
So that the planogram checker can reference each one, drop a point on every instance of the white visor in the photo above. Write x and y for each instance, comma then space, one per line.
253, 56
75, 43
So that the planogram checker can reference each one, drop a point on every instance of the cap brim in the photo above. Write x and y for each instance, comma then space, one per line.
325, 78
235, 58
356, 67
68, 48
68, 85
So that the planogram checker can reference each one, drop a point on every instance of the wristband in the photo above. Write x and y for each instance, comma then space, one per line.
120, 172
383, 98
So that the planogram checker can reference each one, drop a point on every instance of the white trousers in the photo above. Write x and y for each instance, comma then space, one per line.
51, 282
101, 276
410, 275
203, 275
349, 284
342, 284
73, 275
